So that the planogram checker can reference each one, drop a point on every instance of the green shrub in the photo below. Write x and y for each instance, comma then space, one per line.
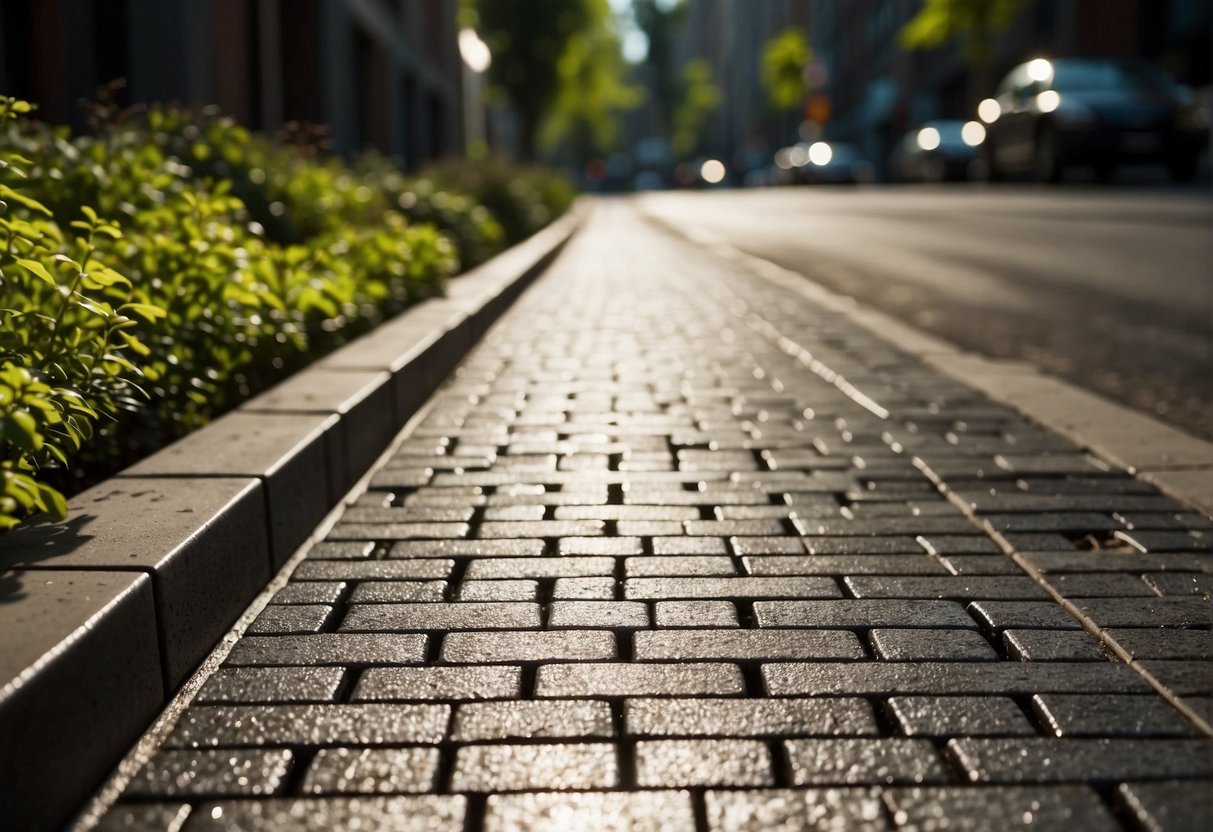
225, 262
67, 337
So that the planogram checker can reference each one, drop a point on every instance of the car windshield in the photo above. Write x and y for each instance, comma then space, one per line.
1109, 75
843, 154
950, 132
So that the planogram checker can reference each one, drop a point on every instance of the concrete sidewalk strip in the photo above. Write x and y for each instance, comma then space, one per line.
681, 546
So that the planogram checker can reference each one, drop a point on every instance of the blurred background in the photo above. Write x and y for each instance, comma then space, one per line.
806, 120
628, 94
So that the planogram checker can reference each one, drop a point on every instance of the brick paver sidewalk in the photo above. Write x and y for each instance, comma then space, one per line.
674, 551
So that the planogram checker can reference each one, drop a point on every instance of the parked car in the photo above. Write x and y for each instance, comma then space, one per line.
1102, 112
938, 151
834, 163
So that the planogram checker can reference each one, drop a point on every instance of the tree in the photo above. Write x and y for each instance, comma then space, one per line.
785, 64
527, 39
660, 22
699, 98
591, 88
975, 22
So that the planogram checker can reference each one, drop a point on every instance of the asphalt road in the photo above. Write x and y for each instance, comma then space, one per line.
1109, 289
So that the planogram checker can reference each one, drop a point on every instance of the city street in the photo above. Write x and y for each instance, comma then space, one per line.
1109, 289
642, 564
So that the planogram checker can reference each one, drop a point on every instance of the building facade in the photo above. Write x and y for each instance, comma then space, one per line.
382, 74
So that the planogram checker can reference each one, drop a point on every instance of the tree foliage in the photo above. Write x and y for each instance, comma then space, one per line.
785, 63
700, 97
591, 88
660, 22
559, 60
975, 22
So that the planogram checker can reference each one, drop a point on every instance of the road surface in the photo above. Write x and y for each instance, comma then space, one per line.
1108, 289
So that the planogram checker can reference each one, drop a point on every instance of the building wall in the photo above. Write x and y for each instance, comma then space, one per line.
383, 74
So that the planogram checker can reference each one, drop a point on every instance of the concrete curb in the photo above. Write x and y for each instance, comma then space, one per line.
103, 617
1174, 462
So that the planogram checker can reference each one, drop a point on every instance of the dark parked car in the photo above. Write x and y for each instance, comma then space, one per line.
1049, 115
835, 163
938, 151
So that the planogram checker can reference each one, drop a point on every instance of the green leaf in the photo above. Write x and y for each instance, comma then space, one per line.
52, 502
147, 311
37, 269
20, 428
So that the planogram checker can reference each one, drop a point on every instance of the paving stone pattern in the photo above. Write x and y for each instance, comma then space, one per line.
674, 549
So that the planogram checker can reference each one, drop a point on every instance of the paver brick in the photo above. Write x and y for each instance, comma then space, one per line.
371, 771
414, 813
994, 809
1148, 612
309, 592
1022, 615
960, 588
741, 587
271, 684
629, 544
1186, 678
507, 768
853, 762
746, 645
664, 764
341, 549
532, 719
653, 811
689, 546
678, 565
695, 614
462, 615
941, 678
231, 726
931, 645
420, 569
513, 548
328, 648
844, 565
855, 809
591, 614
959, 716
768, 545
584, 589
1048, 760
733, 528
861, 614
211, 773
684, 679
511, 590
1168, 806
749, 717
153, 817
1164, 644
290, 619
492, 647
399, 531
1052, 646
1078, 715
541, 528
381, 684
397, 592
564, 567
862, 545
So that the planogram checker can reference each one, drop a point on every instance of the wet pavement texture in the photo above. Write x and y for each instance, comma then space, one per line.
673, 550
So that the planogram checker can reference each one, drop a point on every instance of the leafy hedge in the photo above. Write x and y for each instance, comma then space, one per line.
158, 271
